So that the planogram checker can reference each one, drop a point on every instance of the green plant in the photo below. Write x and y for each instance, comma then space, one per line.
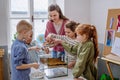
14, 37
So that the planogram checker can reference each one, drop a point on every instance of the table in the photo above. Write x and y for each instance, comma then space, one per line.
45, 66
69, 77
110, 59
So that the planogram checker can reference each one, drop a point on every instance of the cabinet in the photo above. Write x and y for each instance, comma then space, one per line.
1, 63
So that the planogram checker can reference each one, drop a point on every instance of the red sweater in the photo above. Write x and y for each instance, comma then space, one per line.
51, 29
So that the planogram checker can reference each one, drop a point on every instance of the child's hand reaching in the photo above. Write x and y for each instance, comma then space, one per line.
36, 48
57, 41
35, 65
71, 64
46, 45
50, 38
46, 50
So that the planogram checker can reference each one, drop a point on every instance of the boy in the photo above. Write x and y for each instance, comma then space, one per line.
20, 62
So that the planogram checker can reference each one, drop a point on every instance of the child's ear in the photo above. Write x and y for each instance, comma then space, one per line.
24, 31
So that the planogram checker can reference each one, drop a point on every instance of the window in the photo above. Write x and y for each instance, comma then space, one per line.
34, 11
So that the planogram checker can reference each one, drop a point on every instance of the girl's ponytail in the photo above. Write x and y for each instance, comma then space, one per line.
95, 41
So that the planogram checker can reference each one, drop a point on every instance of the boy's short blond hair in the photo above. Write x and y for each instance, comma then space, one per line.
23, 25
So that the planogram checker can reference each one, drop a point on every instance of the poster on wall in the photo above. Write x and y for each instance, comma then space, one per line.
111, 22
118, 23
110, 37
116, 47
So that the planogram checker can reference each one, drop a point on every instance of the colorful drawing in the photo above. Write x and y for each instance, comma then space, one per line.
118, 24
111, 22
109, 37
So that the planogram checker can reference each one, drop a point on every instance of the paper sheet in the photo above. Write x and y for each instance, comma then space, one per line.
116, 47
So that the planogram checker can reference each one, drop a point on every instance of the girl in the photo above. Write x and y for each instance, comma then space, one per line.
56, 25
70, 32
86, 50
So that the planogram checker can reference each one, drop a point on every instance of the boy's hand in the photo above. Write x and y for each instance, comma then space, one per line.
35, 65
46, 50
36, 48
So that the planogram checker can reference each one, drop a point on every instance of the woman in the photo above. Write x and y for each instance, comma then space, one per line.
56, 25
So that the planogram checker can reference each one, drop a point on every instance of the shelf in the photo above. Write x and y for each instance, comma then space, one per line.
1, 63
1, 52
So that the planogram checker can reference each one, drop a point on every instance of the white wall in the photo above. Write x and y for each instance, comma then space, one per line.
99, 13
61, 4
3, 22
78, 10
83, 11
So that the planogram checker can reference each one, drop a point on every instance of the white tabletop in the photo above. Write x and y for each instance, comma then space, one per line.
69, 77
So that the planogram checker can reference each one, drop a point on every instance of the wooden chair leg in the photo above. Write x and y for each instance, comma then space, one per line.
109, 70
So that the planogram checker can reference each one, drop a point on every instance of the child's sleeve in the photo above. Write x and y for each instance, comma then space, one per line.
19, 56
81, 62
72, 49
64, 38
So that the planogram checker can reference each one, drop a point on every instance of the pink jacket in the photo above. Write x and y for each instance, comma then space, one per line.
51, 29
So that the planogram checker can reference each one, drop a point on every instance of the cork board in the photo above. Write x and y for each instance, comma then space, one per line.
111, 26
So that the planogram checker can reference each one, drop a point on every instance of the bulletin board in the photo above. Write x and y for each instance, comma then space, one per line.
112, 28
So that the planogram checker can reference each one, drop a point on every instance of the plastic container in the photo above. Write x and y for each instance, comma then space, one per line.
37, 75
